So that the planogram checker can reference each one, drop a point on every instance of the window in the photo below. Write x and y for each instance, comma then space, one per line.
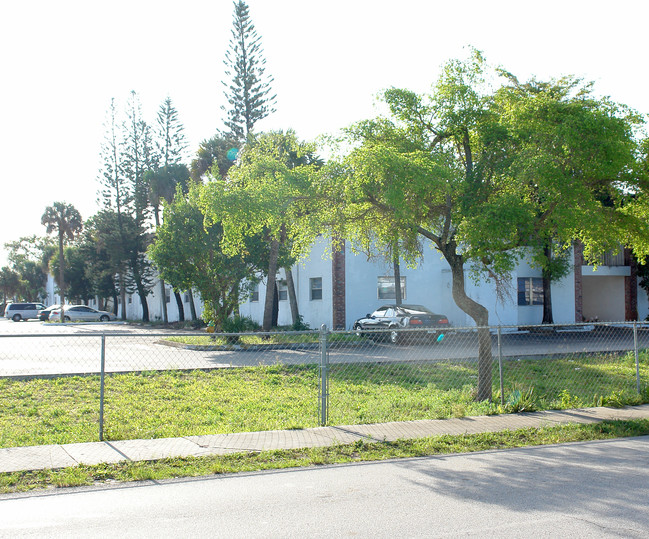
254, 293
316, 288
167, 295
530, 291
130, 298
186, 297
282, 291
386, 289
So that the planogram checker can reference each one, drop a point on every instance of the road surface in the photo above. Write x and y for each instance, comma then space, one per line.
593, 489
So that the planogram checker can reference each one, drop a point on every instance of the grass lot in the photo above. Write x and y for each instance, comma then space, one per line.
175, 403
338, 454
251, 339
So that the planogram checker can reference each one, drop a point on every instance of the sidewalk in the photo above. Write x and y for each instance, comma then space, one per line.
17, 459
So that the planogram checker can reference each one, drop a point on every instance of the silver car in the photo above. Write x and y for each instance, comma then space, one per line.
81, 313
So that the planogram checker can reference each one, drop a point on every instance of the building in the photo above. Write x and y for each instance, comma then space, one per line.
337, 288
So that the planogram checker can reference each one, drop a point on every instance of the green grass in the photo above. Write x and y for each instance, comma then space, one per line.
177, 403
338, 454
253, 339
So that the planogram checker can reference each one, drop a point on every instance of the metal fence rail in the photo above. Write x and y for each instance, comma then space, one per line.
83, 386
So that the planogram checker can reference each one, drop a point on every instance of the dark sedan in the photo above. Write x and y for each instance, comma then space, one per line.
392, 321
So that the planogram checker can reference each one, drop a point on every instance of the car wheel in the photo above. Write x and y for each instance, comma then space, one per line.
104, 318
67, 319
395, 336
17, 318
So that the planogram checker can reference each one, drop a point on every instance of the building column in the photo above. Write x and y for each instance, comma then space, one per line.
338, 284
631, 287
578, 249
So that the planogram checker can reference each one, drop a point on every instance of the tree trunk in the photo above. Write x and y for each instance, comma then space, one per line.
270, 285
192, 307
292, 297
181, 307
274, 323
61, 277
397, 281
122, 288
547, 288
481, 317
163, 301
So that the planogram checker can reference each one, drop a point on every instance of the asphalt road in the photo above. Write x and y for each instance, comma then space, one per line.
33, 348
592, 489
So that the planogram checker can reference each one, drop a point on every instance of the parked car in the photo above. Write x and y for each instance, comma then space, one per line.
81, 313
23, 311
44, 315
392, 321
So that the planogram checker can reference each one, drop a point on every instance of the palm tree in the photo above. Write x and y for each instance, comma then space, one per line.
66, 221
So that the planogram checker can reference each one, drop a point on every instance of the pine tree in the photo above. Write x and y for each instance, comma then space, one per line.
170, 137
249, 90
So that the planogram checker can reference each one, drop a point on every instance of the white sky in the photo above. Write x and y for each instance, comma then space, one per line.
62, 61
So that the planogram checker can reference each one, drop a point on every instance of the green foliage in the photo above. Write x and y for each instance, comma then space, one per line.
28, 263
216, 156
239, 324
299, 324
188, 252
249, 92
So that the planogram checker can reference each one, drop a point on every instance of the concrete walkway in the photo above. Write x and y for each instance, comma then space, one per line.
18, 459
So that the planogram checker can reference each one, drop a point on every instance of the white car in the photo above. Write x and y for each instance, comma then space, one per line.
81, 313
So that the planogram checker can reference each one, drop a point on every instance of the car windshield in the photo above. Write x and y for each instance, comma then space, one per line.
415, 309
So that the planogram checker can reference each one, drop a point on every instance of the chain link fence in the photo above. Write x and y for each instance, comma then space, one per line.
86, 386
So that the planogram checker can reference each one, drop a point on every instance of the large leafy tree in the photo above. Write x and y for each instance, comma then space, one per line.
105, 253
248, 90
479, 173
66, 221
482, 174
29, 258
259, 201
9, 283
162, 187
79, 285
188, 252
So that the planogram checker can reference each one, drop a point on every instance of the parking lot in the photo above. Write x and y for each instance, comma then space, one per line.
36, 348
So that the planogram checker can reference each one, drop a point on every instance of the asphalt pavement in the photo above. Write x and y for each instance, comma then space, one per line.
586, 489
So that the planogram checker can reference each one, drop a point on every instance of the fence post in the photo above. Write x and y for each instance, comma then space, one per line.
500, 368
637, 359
324, 376
101, 387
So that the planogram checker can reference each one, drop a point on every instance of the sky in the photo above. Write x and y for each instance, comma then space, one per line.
62, 62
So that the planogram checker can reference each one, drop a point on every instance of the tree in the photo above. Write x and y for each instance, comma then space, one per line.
127, 153
249, 91
478, 173
483, 174
79, 286
65, 220
215, 155
162, 186
188, 253
29, 258
9, 283
105, 253
169, 135
268, 166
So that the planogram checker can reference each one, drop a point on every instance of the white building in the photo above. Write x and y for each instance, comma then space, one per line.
336, 289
